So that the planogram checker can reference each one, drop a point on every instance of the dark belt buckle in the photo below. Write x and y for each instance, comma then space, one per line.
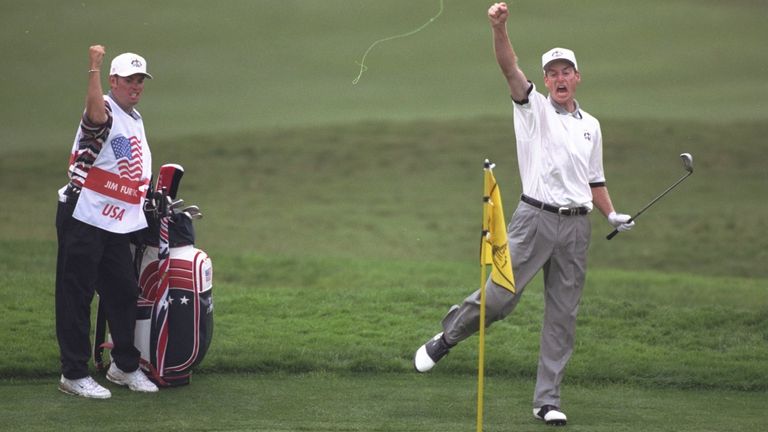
565, 211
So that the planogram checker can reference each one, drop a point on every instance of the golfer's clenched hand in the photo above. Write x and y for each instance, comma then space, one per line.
498, 14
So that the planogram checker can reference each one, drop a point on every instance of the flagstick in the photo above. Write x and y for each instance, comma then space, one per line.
481, 350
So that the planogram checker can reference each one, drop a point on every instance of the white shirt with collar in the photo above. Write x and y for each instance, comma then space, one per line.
559, 153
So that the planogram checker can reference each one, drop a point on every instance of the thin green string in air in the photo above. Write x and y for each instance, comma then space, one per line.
364, 68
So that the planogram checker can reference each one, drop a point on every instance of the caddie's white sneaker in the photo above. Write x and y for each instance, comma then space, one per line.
85, 387
430, 353
135, 380
551, 415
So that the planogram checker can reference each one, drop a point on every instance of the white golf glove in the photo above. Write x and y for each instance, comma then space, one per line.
619, 221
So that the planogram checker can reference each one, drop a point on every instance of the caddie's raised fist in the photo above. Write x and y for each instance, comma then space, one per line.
96, 54
498, 14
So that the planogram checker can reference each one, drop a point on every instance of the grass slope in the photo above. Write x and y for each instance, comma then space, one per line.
389, 190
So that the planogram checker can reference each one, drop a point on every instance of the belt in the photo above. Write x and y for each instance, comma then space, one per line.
563, 211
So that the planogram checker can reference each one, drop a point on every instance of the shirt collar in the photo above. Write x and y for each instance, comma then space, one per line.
563, 111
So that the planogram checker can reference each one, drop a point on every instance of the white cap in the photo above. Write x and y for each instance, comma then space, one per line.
558, 54
128, 64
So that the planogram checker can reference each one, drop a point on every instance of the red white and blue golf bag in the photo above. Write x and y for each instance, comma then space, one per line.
174, 319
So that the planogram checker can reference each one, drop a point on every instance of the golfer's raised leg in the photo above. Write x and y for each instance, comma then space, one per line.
461, 322
528, 252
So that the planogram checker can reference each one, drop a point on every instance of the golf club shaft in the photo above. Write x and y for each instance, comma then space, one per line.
616, 231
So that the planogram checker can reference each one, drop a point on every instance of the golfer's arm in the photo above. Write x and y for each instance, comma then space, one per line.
507, 59
602, 200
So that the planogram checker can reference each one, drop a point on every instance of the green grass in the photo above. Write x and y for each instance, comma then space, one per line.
241, 64
389, 190
328, 259
320, 402
342, 220
291, 315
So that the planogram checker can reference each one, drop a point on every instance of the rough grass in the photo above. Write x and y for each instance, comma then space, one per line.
297, 316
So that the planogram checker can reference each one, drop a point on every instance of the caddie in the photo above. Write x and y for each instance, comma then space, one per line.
560, 157
109, 174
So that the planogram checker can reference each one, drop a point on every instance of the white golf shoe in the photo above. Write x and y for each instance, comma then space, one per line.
85, 387
430, 353
135, 380
551, 415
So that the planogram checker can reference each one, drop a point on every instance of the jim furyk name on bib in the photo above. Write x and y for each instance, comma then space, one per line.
113, 186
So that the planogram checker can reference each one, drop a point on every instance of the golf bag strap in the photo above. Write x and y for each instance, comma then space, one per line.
154, 373
137, 256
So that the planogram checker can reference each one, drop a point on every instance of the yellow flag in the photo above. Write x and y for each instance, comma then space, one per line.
494, 246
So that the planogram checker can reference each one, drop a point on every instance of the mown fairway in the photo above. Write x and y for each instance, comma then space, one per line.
322, 402
342, 220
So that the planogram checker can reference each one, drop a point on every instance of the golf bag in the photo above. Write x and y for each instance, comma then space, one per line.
173, 332
174, 318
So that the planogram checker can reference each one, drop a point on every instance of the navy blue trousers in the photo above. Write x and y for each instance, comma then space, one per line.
91, 260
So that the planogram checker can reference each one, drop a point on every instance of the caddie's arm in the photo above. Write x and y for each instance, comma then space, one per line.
505, 54
95, 109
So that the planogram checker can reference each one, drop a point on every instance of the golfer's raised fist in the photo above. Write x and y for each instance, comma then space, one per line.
498, 14
96, 54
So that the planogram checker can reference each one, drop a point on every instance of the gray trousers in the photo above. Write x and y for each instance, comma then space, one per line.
537, 240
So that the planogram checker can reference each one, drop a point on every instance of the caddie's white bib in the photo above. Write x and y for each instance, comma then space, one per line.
113, 193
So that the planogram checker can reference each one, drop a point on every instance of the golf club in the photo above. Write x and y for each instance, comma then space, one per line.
192, 216
688, 165
192, 212
175, 204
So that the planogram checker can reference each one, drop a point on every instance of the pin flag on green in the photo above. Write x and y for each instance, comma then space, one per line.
494, 251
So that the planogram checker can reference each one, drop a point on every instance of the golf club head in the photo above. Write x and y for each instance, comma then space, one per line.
687, 161
688, 164
192, 212
192, 216
177, 203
